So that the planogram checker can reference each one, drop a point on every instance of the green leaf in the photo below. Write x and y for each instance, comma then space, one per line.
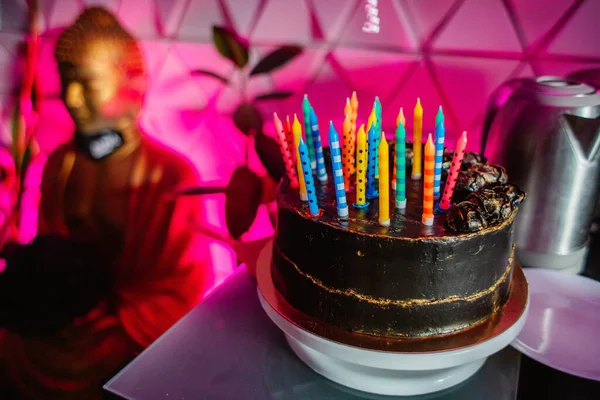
247, 118
231, 45
211, 74
269, 152
202, 190
273, 96
244, 194
276, 59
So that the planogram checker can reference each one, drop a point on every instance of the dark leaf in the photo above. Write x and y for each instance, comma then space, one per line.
25, 163
247, 118
244, 193
231, 45
202, 190
210, 73
270, 155
273, 96
276, 59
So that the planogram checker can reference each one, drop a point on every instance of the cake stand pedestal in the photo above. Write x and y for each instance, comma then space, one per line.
390, 366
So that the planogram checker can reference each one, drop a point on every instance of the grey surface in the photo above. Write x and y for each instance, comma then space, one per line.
227, 348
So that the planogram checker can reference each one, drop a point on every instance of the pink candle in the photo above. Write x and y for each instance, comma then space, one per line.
286, 152
459, 153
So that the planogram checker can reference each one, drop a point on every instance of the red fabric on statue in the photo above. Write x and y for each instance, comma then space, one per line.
160, 275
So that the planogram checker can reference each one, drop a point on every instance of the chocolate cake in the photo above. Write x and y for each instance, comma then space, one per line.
406, 279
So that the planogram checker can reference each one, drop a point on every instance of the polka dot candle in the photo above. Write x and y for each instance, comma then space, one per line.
459, 153
286, 152
372, 191
313, 206
297, 130
361, 168
348, 151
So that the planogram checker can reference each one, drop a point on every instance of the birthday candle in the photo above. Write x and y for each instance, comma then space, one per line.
372, 191
354, 104
297, 130
290, 137
439, 116
400, 178
440, 131
399, 120
286, 152
459, 153
316, 135
313, 206
428, 182
338, 173
348, 151
309, 140
377, 108
384, 182
361, 167
417, 141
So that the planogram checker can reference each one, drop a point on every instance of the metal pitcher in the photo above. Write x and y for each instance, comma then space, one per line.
546, 132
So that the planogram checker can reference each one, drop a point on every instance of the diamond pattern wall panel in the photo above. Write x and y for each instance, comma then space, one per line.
139, 18
426, 15
452, 53
395, 32
60, 13
489, 29
284, 21
537, 17
579, 36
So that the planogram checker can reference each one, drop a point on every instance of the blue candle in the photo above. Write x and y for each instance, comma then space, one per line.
338, 172
439, 155
400, 166
306, 107
313, 206
372, 191
377, 107
316, 136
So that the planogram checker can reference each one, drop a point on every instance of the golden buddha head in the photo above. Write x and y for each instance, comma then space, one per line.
102, 72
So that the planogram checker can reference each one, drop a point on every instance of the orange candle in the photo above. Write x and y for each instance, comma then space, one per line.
429, 171
286, 152
348, 159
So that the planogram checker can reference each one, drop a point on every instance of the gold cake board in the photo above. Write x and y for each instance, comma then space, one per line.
491, 328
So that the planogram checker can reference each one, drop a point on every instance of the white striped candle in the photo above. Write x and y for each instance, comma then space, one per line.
338, 172
439, 155
316, 136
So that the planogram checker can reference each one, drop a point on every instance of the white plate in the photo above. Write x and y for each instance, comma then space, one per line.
389, 373
562, 329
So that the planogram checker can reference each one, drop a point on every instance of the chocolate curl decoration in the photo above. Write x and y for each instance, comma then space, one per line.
489, 206
286, 152
478, 176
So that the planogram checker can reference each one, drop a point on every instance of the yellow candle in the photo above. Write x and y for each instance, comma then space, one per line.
428, 182
361, 168
384, 182
348, 159
297, 129
372, 120
417, 140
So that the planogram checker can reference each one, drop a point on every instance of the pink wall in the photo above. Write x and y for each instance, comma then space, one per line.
448, 52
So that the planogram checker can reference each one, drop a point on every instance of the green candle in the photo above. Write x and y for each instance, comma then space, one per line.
400, 166
306, 107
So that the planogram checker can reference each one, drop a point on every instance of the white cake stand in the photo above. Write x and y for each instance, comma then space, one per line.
392, 372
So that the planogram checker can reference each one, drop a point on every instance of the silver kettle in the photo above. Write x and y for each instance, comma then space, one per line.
546, 132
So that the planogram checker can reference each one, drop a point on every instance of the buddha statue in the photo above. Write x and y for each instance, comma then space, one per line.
114, 187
